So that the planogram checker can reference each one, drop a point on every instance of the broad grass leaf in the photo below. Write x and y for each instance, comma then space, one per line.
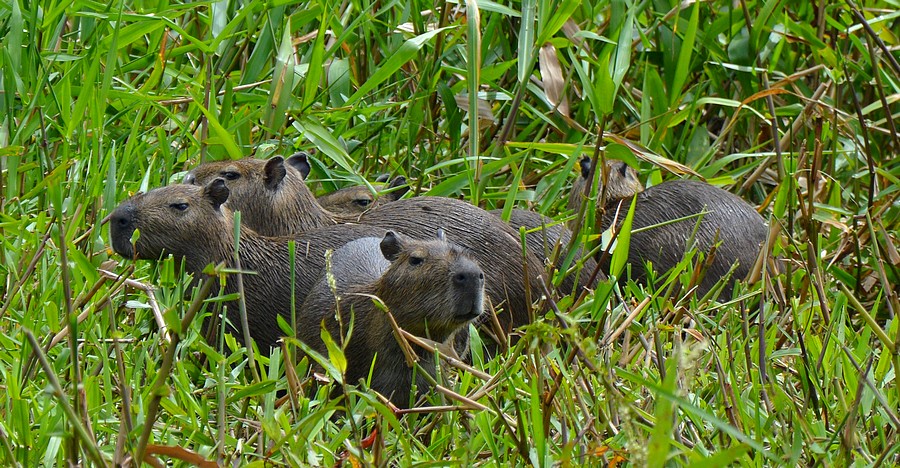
221, 135
325, 142
262, 388
723, 458
335, 354
526, 39
282, 82
664, 418
314, 71
623, 241
684, 56
401, 56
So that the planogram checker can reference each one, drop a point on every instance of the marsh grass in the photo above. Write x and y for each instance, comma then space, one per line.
790, 105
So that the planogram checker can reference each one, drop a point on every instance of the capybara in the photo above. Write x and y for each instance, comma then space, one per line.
431, 288
271, 188
352, 201
491, 242
621, 182
189, 223
724, 218
541, 238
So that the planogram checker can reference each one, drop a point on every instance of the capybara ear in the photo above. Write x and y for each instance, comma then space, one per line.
274, 172
391, 246
398, 181
441, 236
300, 161
217, 192
382, 178
623, 169
585, 164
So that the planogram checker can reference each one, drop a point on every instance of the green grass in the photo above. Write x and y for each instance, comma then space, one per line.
791, 105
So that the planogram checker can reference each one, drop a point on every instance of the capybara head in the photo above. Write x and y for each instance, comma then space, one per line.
356, 200
621, 182
262, 190
432, 287
181, 220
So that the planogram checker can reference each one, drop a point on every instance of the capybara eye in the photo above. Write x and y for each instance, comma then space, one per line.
179, 206
362, 201
414, 261
231, 175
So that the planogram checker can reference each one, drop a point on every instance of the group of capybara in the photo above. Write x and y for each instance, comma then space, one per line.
428, 265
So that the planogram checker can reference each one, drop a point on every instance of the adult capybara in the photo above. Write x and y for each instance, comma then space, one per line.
271, 188
189, 223
621, 182
541, 237
352, 201
491, 242
431, 288
724, 219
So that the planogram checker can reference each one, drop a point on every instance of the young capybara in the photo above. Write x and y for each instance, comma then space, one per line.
431, 288
491, 242
353, 201
189, 223
724, 219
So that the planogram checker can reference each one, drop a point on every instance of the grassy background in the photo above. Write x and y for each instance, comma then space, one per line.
788, 104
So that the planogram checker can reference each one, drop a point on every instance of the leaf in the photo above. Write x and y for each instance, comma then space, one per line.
325, 142
724, 458
404, 54
223, 136
526, 40
623, 241
661, 434
335, 355
314, 71
282, 82
623, 52
552, 79
684, 56
261, 388
473, 82
180, 453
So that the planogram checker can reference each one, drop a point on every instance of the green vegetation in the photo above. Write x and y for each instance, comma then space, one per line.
788, 104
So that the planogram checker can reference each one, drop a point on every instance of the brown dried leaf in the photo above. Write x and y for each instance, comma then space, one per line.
869, 282
485, 113
570, 28
552, 79
644, 153
180, 453
889, 248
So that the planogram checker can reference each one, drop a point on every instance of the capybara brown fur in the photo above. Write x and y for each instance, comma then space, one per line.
541, 237
431, 288
622, 181
724, 219
491, 242
350, 201
189, 223
258, 186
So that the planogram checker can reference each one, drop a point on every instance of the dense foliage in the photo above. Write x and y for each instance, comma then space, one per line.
791, 105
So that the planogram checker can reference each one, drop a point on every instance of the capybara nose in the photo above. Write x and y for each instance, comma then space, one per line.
122, 217
468, 278
190, 179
